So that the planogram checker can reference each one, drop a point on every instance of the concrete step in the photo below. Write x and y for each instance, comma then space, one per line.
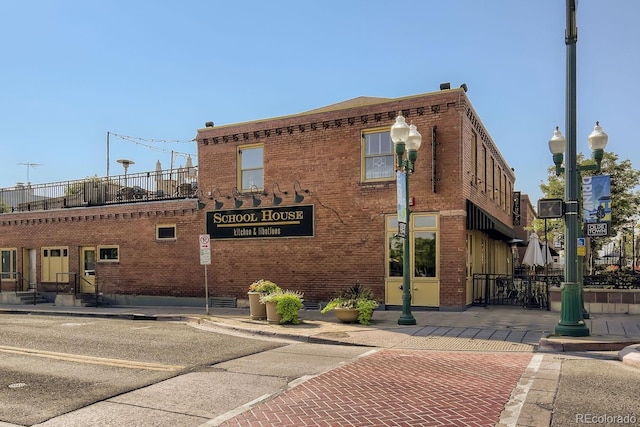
28, 297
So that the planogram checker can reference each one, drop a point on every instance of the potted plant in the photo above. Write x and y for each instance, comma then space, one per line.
283, 306
355, 303
258, 288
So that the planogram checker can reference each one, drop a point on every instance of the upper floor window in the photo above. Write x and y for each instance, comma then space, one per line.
250, 167
377, 156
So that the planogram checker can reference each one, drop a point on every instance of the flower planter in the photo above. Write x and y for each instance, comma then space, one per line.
272, 314
346, 315
257, 310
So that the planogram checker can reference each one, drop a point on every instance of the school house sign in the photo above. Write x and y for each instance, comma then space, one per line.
286, 221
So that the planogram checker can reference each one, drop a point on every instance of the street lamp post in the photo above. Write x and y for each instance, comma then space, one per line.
406, 138
572, 305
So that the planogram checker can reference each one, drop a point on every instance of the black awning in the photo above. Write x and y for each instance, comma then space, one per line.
478, 219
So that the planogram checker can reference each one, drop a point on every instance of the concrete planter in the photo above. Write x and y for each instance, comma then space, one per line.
257, 310
272, 314
346, 315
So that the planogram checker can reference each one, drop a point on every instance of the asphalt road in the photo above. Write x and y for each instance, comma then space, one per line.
51, 365
596, 391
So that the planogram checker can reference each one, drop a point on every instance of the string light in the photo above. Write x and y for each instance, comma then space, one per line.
143, 142
165, 141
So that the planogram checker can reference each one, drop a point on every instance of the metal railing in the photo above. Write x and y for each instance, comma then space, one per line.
95, 191
528, 291
76, 285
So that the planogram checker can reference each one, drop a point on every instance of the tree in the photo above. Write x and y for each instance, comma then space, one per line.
625, 196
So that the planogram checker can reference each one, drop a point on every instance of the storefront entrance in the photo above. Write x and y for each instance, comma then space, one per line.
423, 261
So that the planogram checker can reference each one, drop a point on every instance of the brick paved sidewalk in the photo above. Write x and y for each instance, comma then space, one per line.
398, 388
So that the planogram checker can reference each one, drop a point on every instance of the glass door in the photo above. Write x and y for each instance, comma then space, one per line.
87, 269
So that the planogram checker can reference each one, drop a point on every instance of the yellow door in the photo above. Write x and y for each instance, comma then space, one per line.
87, 269
423, 261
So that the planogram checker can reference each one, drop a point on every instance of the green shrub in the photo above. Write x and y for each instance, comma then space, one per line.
264, 287
288, 303
358, 297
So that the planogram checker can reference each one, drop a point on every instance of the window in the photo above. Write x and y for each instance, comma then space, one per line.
474, 159
108, 253
166, 232
8, 271
377, 160
423, 246
484, 169
492, 170
251, 167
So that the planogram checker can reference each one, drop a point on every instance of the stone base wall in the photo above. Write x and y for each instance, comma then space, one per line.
597, 301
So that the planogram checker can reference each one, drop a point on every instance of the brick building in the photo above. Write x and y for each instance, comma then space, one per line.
308, 201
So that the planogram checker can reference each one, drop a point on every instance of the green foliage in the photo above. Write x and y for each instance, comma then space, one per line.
264, 287
78, 187
358, 297
288, 303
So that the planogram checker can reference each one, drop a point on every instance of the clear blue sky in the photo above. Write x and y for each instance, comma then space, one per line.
73, 70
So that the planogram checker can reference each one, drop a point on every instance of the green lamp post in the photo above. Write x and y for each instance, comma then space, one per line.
572, 306
406, 138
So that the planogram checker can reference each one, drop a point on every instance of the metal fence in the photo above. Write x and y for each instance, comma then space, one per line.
532, 291
528, 291
95, 191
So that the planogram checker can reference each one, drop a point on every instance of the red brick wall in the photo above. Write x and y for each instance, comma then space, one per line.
146, 266
349, 242
322, 151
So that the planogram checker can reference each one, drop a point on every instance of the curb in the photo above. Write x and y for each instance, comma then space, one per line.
557, 345
293, 337
125, 316
630, 355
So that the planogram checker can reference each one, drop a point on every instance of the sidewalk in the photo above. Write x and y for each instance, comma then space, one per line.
497, 338
494, 328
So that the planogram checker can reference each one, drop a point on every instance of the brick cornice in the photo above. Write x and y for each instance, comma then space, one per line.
380, 118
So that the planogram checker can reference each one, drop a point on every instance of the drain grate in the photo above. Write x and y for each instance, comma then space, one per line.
224, 302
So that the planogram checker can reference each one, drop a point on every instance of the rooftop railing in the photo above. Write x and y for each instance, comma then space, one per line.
95, 191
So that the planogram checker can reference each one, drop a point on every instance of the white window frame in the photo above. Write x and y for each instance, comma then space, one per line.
385, 160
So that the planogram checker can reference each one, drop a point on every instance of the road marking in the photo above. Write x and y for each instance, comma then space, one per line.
120, 363
513, 407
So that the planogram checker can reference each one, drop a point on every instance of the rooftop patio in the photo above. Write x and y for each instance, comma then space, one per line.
96, 191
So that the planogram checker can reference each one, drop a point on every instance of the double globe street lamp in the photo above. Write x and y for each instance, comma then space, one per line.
571, 319
406, 138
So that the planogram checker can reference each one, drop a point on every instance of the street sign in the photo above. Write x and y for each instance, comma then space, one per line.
596, 229
205, 249
205, 241
582, 246
205, 257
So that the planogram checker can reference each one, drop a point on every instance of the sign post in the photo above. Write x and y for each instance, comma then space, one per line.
205, 259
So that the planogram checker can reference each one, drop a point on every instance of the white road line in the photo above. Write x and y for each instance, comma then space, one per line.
149, 366
513, 407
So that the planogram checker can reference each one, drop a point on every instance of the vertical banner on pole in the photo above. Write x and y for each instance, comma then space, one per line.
402, 203
596, 202
596, 198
